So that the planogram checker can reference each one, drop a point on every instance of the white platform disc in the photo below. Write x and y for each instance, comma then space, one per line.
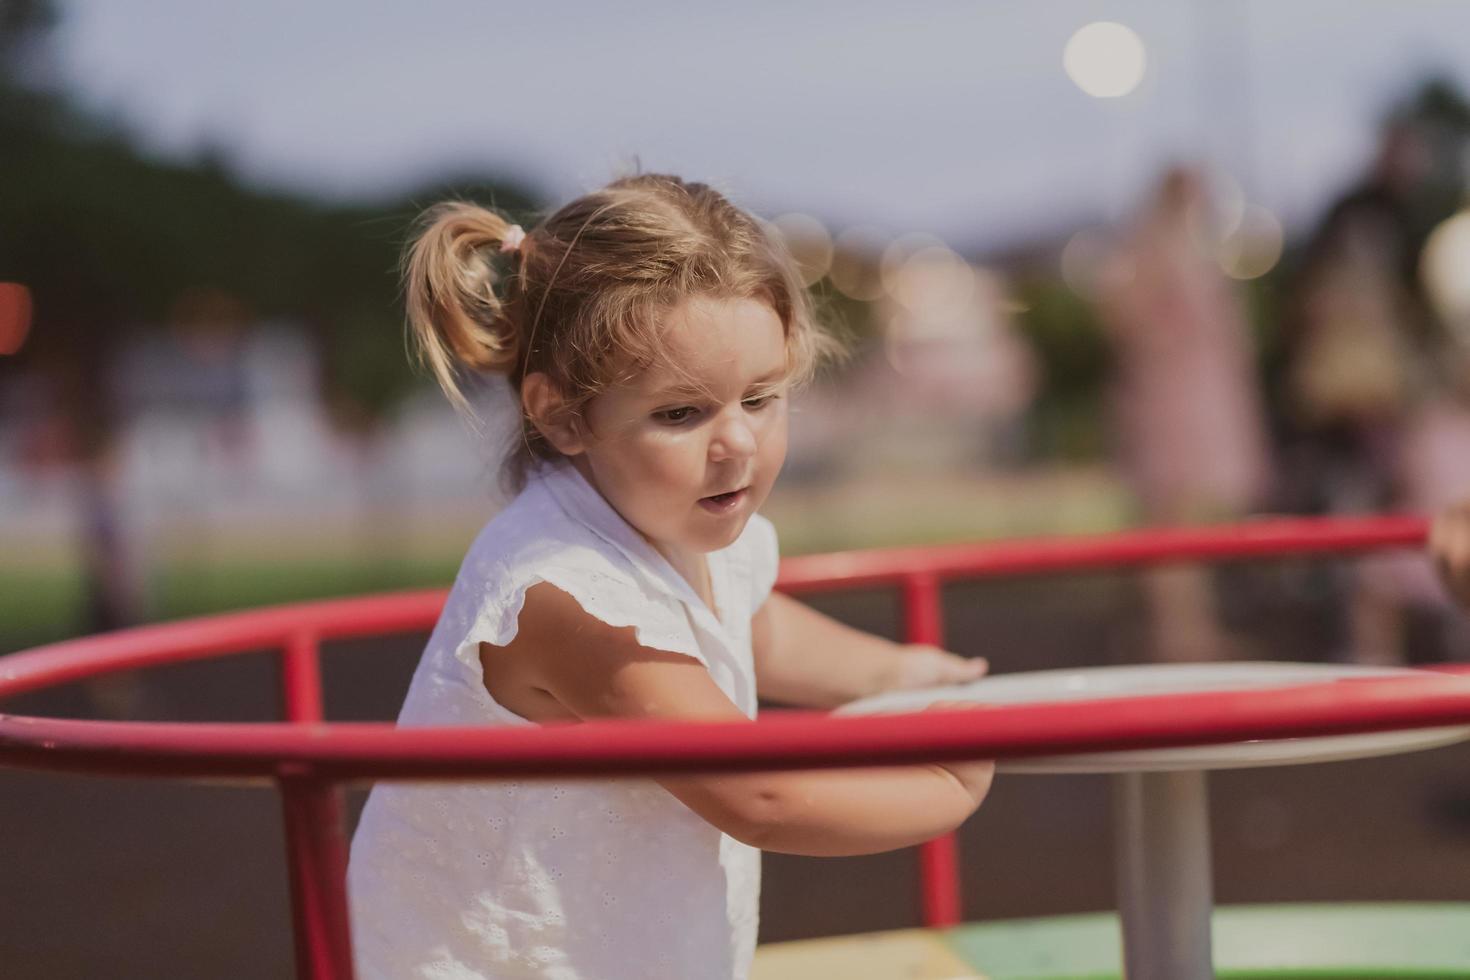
1092, 683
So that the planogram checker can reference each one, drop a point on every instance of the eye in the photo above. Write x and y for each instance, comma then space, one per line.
675, 416
760, 401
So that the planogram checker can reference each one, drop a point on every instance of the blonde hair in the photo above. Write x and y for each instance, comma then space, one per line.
583, 296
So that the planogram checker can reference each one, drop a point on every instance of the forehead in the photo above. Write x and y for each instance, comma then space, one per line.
715, 342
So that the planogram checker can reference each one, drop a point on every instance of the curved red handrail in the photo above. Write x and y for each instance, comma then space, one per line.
383, 751
218, 635
1260, 538
795, 740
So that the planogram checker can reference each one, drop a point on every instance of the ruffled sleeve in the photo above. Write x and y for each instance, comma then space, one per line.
603, 587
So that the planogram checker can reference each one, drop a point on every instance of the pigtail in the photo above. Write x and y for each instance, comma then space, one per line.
454, 316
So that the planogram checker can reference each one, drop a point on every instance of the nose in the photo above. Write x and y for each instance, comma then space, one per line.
732, 437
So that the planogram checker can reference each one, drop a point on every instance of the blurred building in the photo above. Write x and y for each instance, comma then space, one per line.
224, 436
945, 386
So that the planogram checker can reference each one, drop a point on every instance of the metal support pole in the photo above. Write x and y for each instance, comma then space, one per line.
316, 839
939, 877
1165, 895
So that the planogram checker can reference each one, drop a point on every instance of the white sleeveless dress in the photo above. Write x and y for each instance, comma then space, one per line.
591, 880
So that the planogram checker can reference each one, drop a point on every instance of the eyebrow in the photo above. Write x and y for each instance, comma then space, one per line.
681, 390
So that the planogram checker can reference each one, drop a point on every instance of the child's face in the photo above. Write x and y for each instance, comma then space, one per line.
657, 454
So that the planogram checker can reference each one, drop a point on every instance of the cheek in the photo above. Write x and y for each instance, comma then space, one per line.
773, 437
669, 457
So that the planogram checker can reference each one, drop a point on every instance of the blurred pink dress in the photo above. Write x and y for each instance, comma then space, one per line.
1188, 411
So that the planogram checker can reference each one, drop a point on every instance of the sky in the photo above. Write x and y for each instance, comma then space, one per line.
954, 119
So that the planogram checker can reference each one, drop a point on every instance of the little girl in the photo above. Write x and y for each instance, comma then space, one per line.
652, 333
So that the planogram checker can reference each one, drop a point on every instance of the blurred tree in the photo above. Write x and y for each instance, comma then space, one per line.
1075, 359
114, 243
1441, 113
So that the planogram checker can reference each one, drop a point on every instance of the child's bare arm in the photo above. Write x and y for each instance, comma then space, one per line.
803, 657
600, 671
1449, 543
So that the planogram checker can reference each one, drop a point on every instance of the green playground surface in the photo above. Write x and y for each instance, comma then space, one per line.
1330, 941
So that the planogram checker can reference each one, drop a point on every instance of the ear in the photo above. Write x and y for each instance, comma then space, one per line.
544, 404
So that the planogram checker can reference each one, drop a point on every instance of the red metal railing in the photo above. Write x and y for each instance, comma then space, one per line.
309, 759
314, 813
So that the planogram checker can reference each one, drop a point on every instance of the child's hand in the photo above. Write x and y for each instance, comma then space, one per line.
1449, 543
974, 776
920, 665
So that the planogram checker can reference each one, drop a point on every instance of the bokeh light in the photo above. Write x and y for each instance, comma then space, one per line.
1105, 59
809, 243
1229, 202
1220, 213
935, 278
855, 259
1445, 270
1255, 246
897, 255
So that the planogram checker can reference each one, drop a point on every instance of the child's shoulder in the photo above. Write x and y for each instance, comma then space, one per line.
534, 541
533, 531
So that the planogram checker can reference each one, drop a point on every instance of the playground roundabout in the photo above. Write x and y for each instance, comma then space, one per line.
1157, 729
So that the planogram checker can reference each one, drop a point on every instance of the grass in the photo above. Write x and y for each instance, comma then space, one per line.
181, 590
38, 604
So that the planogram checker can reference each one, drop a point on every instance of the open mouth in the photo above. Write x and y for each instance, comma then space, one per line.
724, 501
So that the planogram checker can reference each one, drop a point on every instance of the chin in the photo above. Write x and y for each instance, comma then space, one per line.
718, 541
733, 534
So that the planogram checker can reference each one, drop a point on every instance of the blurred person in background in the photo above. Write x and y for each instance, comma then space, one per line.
1359, 339
1397, 592
1374, 399
1187, 410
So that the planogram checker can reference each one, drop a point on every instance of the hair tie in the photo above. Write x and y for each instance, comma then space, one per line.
513, 238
